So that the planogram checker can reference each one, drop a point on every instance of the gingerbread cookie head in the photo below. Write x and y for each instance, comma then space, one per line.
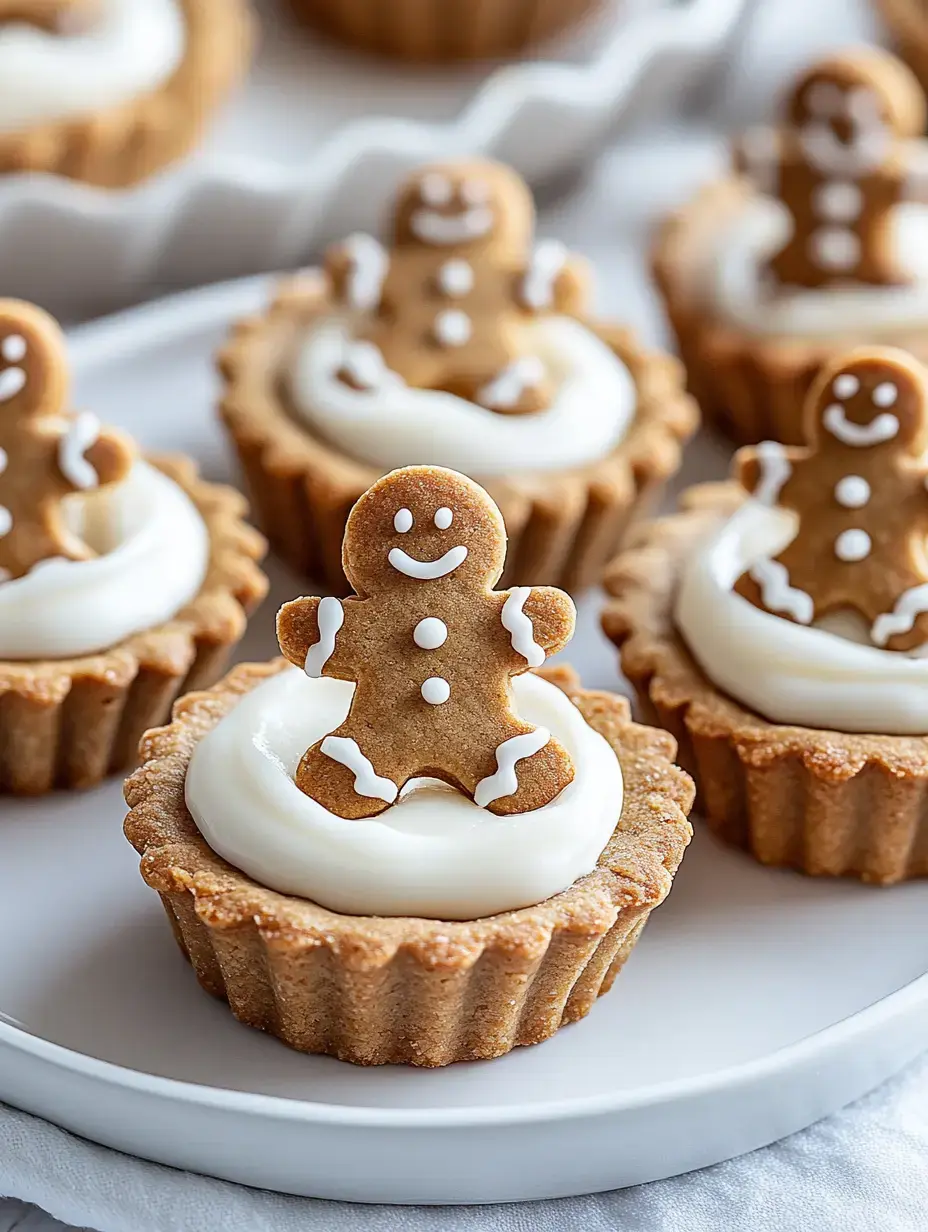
850, 108
467, 204
423, 526
872, 401
46, 453
431, 648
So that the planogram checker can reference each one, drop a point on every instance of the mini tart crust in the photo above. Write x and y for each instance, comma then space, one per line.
121, 145
441, 29
908, 24
406, 991
67, 723
823, 802
751, 388
563, 526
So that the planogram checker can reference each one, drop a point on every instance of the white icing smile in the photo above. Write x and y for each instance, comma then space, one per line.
427, 570
881, 428
434, 853
444, 230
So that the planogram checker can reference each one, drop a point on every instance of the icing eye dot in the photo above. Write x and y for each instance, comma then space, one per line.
435, 690
863, 105
435, 189
475, 192
443, 518
846, 385
852, 545
402, 521
13, 348
885, 394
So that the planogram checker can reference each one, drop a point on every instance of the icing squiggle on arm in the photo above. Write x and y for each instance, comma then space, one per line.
83, 432
777, 594
548, 259
520, 627
330, 616
505, 781
369, 265
775, 469
908, 607
367, 782
508, 386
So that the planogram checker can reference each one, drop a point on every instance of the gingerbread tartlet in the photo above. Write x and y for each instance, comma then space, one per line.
777, 626
462, 347
110, 93
812, 246
122, 580
432, 853
436, 30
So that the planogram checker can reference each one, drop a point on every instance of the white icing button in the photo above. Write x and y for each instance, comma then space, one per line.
852, 545
838, 201
835, 248
452, 327
13, 348
852, 491
475, 192
456, 278
435, 189
435, 690
443, 517
885, 394
402, 521
846, 385
430, 633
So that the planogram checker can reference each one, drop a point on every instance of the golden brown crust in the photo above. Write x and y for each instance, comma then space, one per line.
825, 802
69, 722
331, 983
441, 29
120, 146
563, 526
751, 388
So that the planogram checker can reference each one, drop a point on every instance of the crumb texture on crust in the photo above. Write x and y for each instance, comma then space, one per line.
67, 723
399, 990
824, 802
562, 526
120, 146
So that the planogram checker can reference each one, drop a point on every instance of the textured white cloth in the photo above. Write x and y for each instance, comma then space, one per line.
861, 1170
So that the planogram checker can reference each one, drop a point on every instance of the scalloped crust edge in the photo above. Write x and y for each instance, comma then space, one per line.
379, 991
68, 723
563, 526
123, 145
822, 802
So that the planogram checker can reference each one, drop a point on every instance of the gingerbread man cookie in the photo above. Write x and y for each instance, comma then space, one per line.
55, 16
859, 491
45, 453
450, 300
432, 649
845, 158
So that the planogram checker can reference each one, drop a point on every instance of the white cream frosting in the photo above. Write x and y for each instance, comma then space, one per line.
130, 48
434, 853
391, 425
737, 291
828, 676
154, 553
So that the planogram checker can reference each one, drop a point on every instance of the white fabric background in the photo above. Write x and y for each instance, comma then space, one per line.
864, 1168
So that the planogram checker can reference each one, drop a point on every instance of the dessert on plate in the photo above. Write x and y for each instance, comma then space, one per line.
465, 344
816, 243
778, 627
123, 580
111, 91
442, 29
403, 846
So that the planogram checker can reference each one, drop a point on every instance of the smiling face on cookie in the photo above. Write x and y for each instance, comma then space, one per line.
422, 527
871, 403
464, 204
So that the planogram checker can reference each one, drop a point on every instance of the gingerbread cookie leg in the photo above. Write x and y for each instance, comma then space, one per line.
340, 777
521, 388
532, 769
906, 626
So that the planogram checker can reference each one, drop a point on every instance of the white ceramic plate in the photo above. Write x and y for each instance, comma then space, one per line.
313, 145
756, 1002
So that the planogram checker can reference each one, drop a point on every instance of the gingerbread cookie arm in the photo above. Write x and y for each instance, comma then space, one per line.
764, 470
553, 280
757, 154
310, 634
914, 178
356, 270
540, 621
110, 456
